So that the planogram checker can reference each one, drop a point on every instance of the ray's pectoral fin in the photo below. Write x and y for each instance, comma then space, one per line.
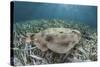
44, 47
49, 38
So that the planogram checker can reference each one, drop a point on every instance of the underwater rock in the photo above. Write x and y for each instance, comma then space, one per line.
59, 40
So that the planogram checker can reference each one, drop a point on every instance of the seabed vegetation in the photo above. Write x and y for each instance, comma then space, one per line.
29, 54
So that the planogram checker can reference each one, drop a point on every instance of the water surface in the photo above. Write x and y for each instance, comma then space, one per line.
24, 11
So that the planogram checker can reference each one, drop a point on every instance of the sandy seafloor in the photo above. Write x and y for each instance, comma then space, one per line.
29, 54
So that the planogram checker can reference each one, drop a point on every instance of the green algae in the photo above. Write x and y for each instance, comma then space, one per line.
86, 50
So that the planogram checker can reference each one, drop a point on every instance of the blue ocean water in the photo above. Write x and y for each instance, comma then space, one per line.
24, 11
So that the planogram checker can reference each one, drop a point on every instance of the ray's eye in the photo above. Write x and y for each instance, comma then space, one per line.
61, 32
74, 32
